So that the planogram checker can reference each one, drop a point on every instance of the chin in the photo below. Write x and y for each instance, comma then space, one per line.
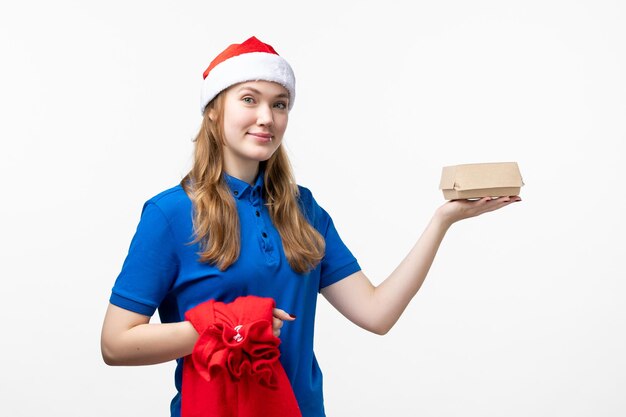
262, 156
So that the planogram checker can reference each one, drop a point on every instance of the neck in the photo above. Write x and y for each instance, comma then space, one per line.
244, 172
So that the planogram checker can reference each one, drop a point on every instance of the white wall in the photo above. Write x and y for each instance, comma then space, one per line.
523, 313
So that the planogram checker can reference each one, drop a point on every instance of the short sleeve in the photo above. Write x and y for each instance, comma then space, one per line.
150, 267
338, 261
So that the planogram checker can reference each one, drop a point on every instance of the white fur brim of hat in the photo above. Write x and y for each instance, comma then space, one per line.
252, 66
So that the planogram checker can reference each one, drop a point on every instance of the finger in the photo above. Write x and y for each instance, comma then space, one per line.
481, 202
277, 323
484, 201
503, 202
283, 315
501, 199
509, 199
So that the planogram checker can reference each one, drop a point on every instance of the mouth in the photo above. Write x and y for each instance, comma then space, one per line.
261, 136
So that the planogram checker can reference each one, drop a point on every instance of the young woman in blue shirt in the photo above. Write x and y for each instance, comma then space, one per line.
239, 225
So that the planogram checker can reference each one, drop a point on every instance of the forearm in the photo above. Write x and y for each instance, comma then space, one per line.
391, 297
378, 308
131, 342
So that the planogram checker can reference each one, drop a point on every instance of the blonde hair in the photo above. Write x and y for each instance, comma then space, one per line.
215, 218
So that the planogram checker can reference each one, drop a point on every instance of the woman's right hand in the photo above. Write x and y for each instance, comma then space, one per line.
280, 316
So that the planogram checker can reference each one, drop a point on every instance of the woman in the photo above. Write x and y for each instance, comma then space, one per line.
238, 225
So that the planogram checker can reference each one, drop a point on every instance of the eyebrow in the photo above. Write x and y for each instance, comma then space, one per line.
254, 90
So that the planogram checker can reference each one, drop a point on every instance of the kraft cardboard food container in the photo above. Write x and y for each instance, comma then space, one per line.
493, 179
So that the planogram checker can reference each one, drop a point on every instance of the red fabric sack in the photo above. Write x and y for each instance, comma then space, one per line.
234, 369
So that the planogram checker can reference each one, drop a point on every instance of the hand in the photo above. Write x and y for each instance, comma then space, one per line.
279, 317
456, 210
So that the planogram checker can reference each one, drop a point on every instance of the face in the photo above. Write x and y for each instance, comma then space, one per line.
255, 120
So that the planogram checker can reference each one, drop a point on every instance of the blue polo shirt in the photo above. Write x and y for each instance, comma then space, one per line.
162, 271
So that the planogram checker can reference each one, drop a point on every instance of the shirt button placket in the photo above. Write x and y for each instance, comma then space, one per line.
254, 199
266, 243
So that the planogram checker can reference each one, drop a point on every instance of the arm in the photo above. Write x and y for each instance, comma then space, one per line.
378, 308
128, 338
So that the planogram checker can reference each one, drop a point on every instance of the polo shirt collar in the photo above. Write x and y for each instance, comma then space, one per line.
241, 189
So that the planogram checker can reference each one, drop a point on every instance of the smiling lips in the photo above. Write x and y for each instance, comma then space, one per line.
261, 137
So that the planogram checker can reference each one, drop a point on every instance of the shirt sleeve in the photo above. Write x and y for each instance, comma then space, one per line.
338, 261
150, 267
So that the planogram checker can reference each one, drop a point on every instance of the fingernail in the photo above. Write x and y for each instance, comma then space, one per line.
292, 316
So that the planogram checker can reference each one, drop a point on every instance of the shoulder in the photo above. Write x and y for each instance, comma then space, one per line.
170, 202
306, 200
170, 196
314, 213
305, 195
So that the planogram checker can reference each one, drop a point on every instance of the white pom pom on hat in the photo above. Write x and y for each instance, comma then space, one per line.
251, 60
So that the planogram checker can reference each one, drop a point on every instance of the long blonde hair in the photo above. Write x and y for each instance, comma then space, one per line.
215, 218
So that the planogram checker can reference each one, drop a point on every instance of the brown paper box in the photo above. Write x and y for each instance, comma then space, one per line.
493, 179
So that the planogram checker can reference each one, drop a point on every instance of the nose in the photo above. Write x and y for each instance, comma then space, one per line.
265, 116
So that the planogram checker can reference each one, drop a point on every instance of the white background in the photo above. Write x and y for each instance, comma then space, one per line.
523, 313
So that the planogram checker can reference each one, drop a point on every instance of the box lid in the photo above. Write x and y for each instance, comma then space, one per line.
480, 176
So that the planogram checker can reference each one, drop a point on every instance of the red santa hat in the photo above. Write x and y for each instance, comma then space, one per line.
251, 60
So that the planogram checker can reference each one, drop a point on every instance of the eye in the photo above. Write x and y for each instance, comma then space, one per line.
248, 100
281, 105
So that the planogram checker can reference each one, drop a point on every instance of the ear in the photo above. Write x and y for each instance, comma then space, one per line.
212, 115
